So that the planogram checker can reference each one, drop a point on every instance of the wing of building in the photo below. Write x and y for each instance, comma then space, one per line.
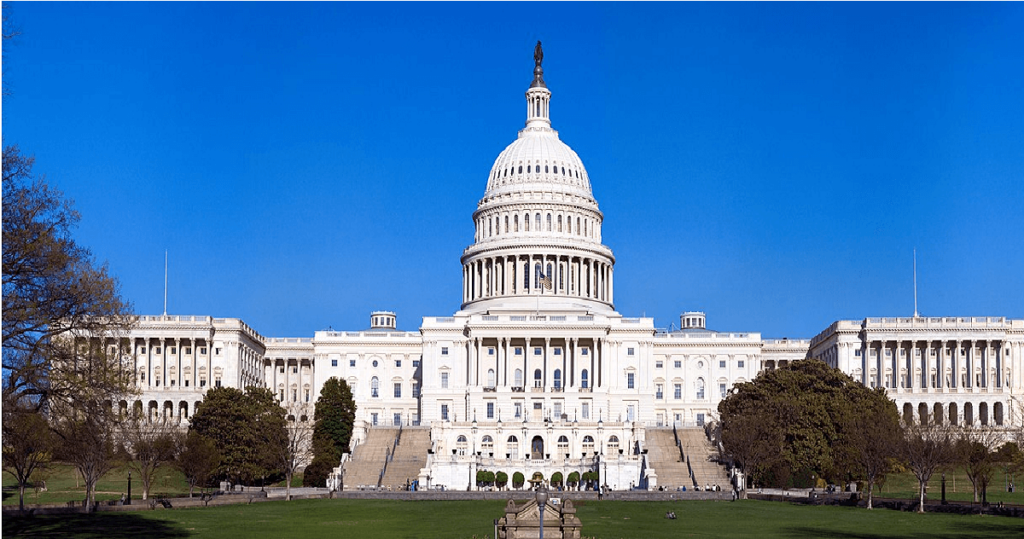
537, 371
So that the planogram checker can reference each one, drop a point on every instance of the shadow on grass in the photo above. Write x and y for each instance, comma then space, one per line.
972, 528
94, 526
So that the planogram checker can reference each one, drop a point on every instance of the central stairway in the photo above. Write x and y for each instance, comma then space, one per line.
364, 467
409, 458
664, 456
699, 451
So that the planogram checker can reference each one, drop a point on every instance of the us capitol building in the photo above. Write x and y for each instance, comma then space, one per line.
537, 372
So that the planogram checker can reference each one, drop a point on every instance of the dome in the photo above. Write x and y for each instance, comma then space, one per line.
538, 160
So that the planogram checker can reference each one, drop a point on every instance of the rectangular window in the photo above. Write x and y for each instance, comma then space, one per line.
415, 390
856, 353
519, 351
519, 409
216, 351
658, 364
373, 419
490, 351
188, 351
740, 363
678, 364
444, 380
142, 349
444, 350
721, 389
444, 412
721, 364
629, 380
397, 419
398, 363
415, 363
583, 351
490, 410
585, 410
677, 391
700, 420
630, 412
216, 382
537, 351
659, 392
629, 351
558, 411
558, 351
351, 363
156, 350
295, 370
334, 362
186, 383
202, 351
174, 350
398, 390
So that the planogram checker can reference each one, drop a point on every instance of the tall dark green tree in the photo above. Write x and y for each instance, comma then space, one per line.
245, 427
797, 421
334, 416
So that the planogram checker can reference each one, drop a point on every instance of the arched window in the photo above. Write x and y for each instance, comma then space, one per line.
559, 223
461, 444
520, 169
490, 227
613, 445
549, 222
506, 224
487, 444
550, 274
584, 379
536, 277
563, 446
527, 169
577, 226
537, 380
558, 378
513, 447
515, 222
490, 377
700, 388
374, 387
526, 275
526, 222
588, 445
519, 378
536, 221
545, 169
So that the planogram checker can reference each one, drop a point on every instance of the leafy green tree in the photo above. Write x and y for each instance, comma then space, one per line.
197, 459
518, 479
574, 479
801, 420
556, 479
334, 416
870, 435
246, 427
501, 479
27, 446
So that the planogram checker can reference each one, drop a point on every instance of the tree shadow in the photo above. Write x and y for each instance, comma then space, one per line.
90, 526
969, 528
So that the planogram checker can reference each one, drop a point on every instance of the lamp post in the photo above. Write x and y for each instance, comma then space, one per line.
128, 501
542, 500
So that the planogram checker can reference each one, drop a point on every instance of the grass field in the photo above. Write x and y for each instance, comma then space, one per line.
310, 519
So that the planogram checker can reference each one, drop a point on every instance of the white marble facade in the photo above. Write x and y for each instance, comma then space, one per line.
537, 371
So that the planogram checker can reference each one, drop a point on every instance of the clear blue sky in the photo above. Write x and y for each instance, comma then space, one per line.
772, 164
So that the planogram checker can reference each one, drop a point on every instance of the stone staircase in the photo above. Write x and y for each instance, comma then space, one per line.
364, 467
664, 457
409, 458
698, 449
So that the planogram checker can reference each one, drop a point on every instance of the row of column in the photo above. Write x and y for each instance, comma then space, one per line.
158, 366
518, 275
954, 414
507, 222
577, 370
289, 386
980, 366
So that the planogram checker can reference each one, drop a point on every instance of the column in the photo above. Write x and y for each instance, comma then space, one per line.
572, 347
545, 377
527, 376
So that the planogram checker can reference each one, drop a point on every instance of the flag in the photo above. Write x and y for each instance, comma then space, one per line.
545, 280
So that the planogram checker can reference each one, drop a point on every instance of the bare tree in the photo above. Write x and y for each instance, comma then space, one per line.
197, 459
88, 443
27, 445
975, 451
926, 447
151, 445
293, 452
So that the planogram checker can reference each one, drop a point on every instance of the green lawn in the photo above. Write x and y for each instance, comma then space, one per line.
62, 485
309, 519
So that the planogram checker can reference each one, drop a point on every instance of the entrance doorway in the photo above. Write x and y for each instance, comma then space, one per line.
537, 448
